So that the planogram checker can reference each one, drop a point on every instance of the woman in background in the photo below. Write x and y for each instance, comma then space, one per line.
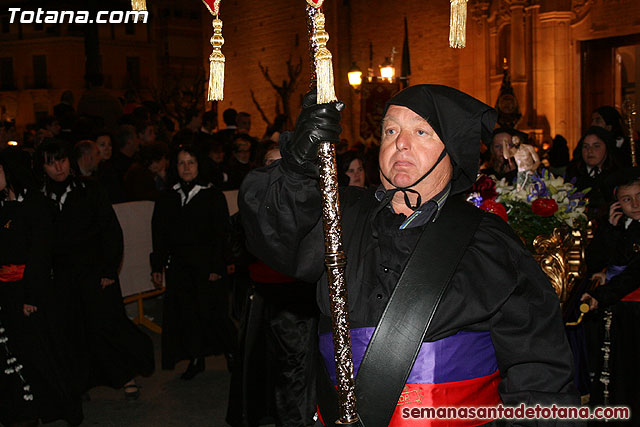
351, 170
498, 166
190, 226
34, 381
591, 168
87, 252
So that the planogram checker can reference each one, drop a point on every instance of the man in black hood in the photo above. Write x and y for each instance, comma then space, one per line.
423, 266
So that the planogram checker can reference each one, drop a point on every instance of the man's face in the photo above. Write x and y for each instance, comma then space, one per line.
216, 156
243, 151
57, 170
243, 123
157, 167
54, 128
271, 156
149, 135
629, 198
409, 148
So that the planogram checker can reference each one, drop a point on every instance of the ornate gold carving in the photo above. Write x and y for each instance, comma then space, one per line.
561, 257
479, 10
581, 8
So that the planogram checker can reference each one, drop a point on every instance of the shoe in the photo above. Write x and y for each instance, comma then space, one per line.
132, 391
195, 367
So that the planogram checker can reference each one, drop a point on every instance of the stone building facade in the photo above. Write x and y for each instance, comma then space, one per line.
565, 57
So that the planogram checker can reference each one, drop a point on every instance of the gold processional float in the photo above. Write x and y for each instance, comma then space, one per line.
560, 255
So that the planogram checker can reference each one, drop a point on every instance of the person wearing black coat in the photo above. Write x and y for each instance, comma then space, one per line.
593, 163
190, 225
35, 380
87, 252
613, 258
497, 334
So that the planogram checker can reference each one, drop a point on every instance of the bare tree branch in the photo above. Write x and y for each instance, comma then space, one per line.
284, 91
255, 102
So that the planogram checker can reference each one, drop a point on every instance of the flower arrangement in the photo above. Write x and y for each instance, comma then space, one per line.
546, 203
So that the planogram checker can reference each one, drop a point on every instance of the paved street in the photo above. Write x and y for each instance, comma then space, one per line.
165, 399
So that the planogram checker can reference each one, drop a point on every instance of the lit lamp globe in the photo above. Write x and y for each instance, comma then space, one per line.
387, 71
355, 76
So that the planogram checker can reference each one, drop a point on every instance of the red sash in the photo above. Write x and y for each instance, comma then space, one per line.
11, 273
475, 392
633, 296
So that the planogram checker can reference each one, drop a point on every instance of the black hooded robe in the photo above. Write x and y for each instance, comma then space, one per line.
498, 290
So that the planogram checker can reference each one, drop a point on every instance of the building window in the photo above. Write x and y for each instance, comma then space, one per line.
504, 48
133, 71
6, 74
40, 71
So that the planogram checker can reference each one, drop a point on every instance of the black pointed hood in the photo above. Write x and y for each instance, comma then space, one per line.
460, 121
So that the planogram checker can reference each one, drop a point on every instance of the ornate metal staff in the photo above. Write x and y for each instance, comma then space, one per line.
335, 259
629, 109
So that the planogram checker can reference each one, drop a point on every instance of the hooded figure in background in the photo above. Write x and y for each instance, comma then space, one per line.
495, 335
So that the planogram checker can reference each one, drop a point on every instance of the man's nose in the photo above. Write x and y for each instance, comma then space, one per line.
635, 202
58, 166
403, 142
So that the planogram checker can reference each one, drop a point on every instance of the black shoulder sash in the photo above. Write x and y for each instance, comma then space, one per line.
398, 337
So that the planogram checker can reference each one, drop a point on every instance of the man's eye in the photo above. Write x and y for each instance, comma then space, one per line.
421, 132
390, 132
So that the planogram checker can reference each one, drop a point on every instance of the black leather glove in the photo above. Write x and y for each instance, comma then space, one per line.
316, 123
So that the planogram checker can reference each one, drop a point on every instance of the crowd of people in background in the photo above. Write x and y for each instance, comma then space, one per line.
68, 330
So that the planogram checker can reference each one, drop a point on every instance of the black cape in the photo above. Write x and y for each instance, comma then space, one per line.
498, 287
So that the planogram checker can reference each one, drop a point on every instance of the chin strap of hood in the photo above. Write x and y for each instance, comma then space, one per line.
406, 190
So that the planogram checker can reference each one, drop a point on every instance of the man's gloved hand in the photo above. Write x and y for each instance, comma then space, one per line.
316, 123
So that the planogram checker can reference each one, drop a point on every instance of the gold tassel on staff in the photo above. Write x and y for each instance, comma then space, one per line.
458, 24
335, 258
216, 59
323, 64
139, 4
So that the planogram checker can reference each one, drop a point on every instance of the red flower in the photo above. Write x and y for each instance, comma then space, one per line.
496, 208
486, 187
544, 207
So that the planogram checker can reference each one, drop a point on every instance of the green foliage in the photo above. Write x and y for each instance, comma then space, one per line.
529, 225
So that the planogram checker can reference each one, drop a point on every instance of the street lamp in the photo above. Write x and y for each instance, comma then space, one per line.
355, 76
387, 70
